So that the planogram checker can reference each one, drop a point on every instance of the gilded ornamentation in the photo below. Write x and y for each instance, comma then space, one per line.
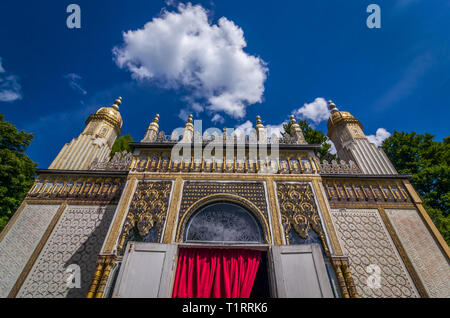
148, 209
298, 210
365, 191
248, 194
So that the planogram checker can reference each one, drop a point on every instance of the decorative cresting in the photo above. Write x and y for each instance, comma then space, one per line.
148, 209
250, 195
339, 168
120, 162
289, 162
299, 211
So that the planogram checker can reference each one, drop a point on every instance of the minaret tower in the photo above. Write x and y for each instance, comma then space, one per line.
260, 130
346, 132
152, 130
102, 129
296, 132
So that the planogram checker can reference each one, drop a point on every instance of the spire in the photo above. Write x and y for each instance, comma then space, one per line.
117, 103
296, 131
188, 133
189, 121
260, 131
152, 130
332, 106
258, 122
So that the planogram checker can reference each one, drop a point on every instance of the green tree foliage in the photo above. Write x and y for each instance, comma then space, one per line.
314, 136
121, 144
17, 170
428, 161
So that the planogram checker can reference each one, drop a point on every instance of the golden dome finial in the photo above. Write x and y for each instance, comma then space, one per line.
156, 120
189, 121
117, 103
332, 106
259, 122
292, 119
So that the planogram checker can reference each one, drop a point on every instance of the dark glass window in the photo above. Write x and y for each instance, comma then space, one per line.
223, 222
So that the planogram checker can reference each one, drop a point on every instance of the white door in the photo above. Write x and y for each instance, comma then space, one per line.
300, 272
146, 271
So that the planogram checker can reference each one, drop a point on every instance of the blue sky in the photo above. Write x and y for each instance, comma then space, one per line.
396, 77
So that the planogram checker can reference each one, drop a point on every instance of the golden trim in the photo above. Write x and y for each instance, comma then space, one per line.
274, 213
13, 220
97, 276
173, 210
108, 265
119, 217
437, 236
225, 176
327, 218
370, 205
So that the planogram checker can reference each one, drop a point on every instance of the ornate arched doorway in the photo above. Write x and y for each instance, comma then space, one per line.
224, 222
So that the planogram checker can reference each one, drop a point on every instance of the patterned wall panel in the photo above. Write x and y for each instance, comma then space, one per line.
428, 260
365, 240
76, 239
21, 240
247, 193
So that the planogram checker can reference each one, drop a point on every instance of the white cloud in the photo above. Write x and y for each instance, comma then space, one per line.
317, 111
248, 127
379, 137
10, 89
183, 50
275, 129
333, 148
217, 119
245, 128
74, 82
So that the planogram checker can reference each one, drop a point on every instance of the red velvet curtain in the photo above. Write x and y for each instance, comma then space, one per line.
215, 273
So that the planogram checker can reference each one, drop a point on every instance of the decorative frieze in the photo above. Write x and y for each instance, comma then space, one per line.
340, 190
77, 187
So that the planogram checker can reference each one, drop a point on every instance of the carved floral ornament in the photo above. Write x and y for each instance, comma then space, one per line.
298, 209
147, 209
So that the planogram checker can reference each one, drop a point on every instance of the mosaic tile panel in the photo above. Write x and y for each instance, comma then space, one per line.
76, 239
21, 240
365, 240
426, 257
